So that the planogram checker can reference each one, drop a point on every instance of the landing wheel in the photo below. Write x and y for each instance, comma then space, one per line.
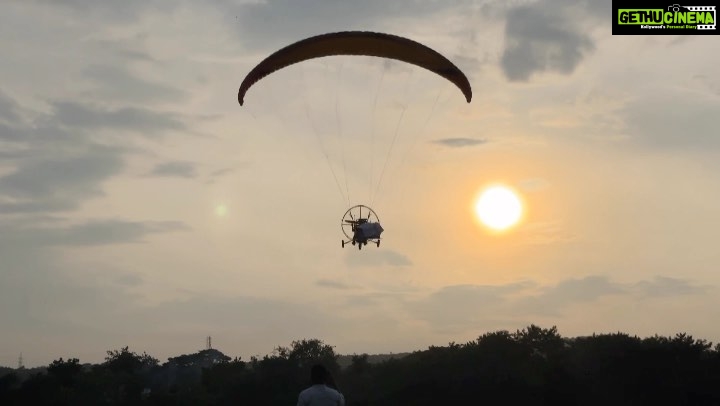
378, 243
343, 243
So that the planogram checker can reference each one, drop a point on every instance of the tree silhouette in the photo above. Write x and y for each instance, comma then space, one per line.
532, 365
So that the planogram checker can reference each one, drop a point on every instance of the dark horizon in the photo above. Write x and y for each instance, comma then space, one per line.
534, 363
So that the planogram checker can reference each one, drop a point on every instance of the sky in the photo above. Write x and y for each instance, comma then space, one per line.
141, 206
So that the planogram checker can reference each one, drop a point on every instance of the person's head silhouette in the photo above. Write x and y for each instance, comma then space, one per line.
318, 374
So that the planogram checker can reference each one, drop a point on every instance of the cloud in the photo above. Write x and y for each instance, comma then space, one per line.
220, 172
118, 84
89, 233
553, 300
56, 161
175, 169
472, 297
47, 177
118, 13
543, 233
688, 120
41, 294
52, 183
376, 257
459, 142
705, 84
534, 184
240, 316
662, 286
122, 50
361, 300
41, 132
543, 36
39, 297
328, 283
8, 108
459, 307
464, 307
129, 279
56, 204
276, 22
137, 119
213, 176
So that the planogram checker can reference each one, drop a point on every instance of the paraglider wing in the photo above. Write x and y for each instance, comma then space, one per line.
358, 43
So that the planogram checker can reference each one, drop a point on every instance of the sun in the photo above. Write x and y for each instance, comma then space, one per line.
499, 208
220, 210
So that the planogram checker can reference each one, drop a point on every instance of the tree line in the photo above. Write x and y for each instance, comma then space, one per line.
530, 366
